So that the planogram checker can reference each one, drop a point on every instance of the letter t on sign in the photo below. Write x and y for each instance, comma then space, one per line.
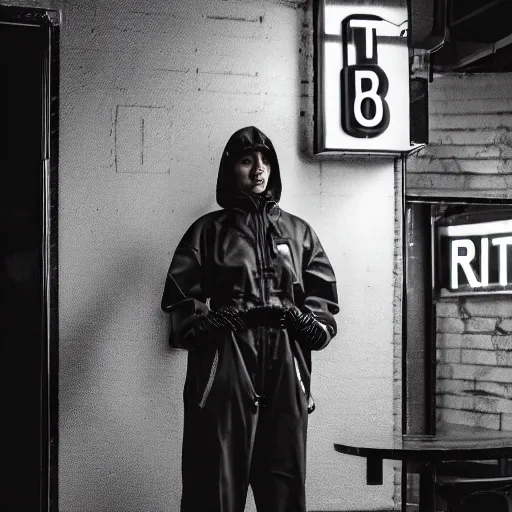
370, 27
503, 242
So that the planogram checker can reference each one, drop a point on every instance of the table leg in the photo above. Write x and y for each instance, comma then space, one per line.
373, 471
427, 489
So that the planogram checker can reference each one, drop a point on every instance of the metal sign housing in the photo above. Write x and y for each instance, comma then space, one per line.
362, 78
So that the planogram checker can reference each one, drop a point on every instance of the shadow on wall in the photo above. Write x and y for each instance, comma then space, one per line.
85, 335
118, 427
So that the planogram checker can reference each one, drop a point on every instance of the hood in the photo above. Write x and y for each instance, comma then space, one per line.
245, 139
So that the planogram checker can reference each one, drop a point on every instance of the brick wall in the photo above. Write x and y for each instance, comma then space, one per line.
469, 155
470, 121
474, 355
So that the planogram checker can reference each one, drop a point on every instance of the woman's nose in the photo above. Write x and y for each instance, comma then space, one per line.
260, 164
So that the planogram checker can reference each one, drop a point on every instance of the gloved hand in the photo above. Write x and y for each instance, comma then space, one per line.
306, 328
226, 318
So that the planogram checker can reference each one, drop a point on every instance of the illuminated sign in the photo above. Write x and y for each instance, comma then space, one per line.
362, 78
476, 258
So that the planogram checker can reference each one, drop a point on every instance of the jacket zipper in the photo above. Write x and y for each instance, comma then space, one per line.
260, 233
211, 378
260, 394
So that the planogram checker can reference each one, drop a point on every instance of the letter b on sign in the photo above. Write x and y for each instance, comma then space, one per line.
365, 112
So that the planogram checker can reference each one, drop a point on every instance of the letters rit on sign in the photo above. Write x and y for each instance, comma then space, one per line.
463, 252
364, 85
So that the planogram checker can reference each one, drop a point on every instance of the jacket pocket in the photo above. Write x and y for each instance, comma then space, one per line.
211, 378
309, 397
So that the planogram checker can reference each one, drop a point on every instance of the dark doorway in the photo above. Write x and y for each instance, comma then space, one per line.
26, 319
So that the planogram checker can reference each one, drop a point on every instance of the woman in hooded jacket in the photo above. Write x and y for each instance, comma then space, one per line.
251, 294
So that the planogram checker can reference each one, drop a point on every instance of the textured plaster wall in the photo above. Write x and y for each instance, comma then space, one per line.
150, 92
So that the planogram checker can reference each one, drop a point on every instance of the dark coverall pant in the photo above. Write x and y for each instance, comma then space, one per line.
230, 442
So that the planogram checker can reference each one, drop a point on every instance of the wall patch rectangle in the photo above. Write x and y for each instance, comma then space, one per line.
143, 139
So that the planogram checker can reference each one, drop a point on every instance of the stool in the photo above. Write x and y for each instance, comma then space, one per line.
475, 486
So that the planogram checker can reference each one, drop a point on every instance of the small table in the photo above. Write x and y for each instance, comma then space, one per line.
424, 453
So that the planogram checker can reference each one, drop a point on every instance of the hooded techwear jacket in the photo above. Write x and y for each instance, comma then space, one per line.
247, 393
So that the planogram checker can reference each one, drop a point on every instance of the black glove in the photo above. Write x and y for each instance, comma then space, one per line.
306, 328
226, 318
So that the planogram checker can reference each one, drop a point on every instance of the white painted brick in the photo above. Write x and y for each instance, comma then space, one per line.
489, 307
487, 405
492, 405
465, 341
450, 355
506, 325
470, 121
506, 422
476, 325
479, 372
454, 387
447, 371
476, 404
423, 181
504, 358
502, 342
458, 402
440, 193
500, 390
474, 419
469, 341
484, 136
483, 357
477, 341
482, 173
497, 375
481, 151
450, 325
475, 106
445, 308
496, 181
504, 405
470, 87
448, 340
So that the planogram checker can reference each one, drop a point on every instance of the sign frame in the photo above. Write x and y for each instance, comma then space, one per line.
471, 233
385, 143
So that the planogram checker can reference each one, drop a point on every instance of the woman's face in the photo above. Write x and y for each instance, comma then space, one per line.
252, 171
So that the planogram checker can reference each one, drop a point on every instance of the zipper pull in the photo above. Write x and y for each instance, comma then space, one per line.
256, 402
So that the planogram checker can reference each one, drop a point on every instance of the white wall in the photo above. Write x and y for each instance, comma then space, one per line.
197, 71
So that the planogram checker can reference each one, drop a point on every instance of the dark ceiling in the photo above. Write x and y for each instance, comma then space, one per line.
477, 35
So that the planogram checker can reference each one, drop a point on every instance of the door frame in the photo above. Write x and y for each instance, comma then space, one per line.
50, 21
